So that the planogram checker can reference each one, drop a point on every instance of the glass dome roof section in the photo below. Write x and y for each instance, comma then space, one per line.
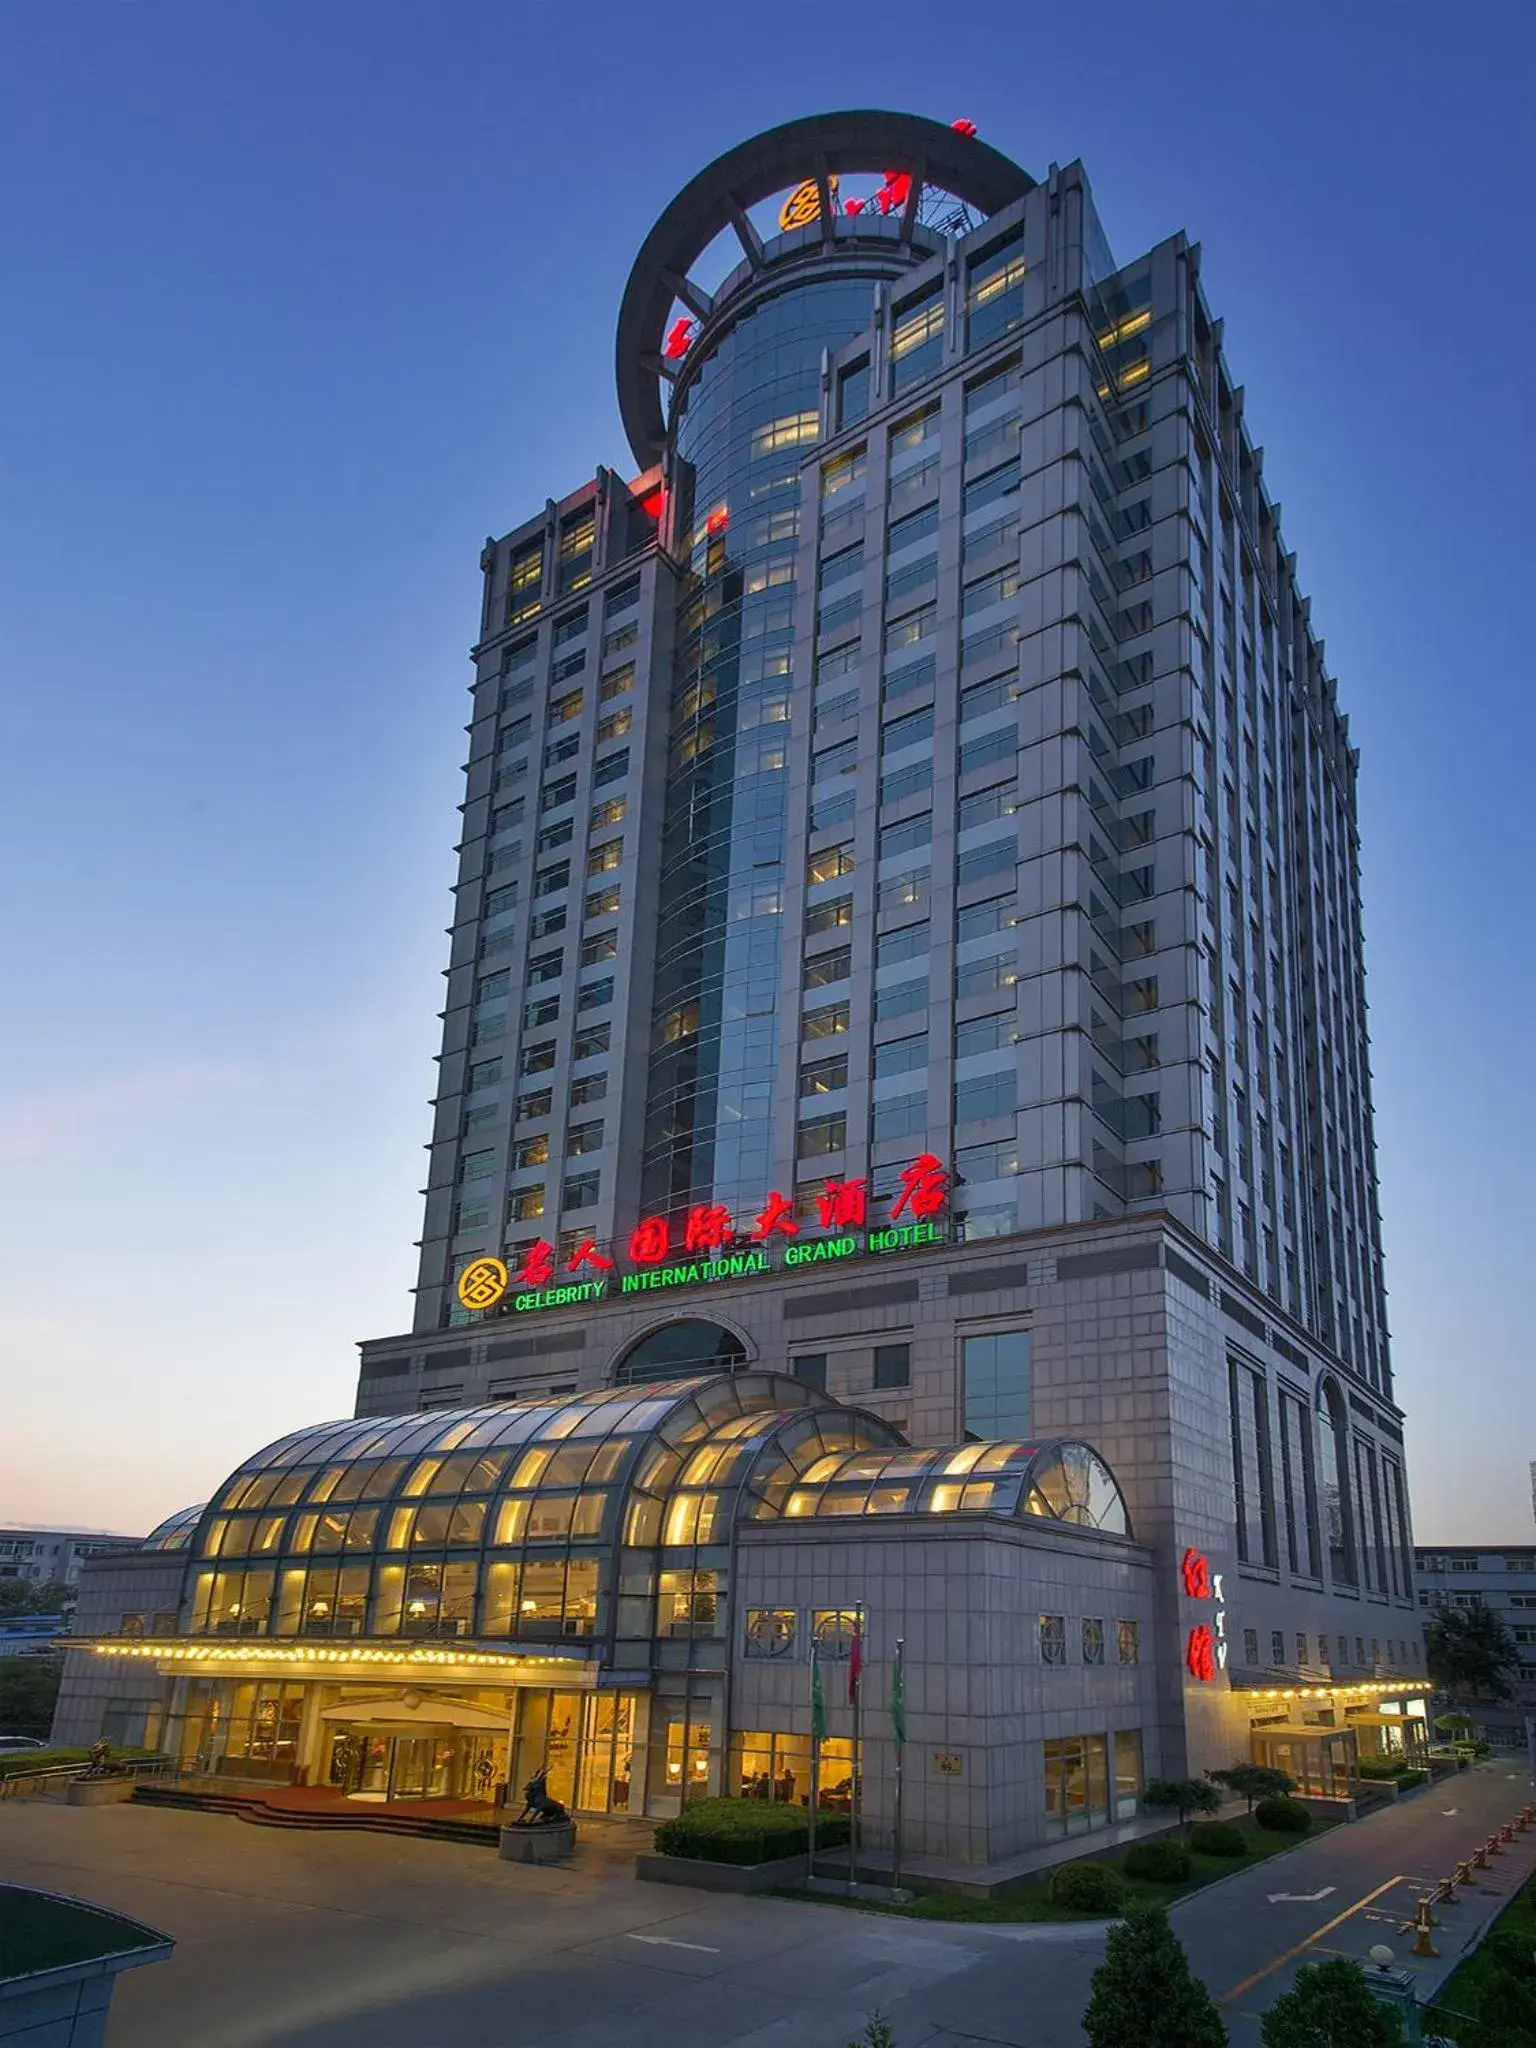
175, 1532
1059, 1481
493, 1501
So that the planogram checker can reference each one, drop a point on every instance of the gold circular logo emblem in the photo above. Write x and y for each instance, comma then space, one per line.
804, 204
482, 1283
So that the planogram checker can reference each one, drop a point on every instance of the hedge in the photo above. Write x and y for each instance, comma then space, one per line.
16, 1763
746, 1831
1163, 1862
1283, 1816
1218, 1838
1087, 1888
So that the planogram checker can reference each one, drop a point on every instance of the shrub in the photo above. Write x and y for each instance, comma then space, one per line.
17, 1762
1283, 1816
1160, 1862
746, 1831
1406, 1780
1087, 1887
1143, 1993
1218, 1838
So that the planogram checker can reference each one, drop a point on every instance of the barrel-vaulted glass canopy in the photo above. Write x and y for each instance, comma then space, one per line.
1063, 1481
176, 1531
605, 1518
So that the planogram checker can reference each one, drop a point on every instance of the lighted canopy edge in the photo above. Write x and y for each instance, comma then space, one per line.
831, 145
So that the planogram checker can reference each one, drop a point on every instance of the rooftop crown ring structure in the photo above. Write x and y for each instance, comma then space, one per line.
821, 147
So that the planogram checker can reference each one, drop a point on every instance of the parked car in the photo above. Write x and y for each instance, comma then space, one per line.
14, 1742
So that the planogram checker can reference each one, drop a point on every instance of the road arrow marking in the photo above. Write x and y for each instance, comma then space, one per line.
1450, 1811
666, 1941
1302, 1898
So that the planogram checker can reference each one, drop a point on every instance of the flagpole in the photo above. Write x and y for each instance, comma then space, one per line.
810, 1852
856, 1775
899, 1730
853, 1801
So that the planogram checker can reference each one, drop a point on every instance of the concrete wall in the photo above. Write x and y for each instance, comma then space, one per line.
965, 1595
144, 1584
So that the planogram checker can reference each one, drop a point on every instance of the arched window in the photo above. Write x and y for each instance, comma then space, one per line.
679, 1351
1333, 1468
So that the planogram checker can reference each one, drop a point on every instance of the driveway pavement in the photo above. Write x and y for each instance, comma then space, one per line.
297, 1940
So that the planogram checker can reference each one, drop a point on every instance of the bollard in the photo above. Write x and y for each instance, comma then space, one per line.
1480, 1858
1447, 1889
1506, 1833
1464, 1873
1422, 1945
1495, 1846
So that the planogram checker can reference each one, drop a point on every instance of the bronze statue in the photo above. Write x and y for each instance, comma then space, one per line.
539, 1810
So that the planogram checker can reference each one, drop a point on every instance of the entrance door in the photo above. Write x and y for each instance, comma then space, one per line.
412, 1763
607, 1753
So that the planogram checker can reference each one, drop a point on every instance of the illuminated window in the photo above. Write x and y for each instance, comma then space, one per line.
842, 471
826, 1022
618, 683
822, 1077
792, 431
917, 338
688, 1603
525, 577
819, 1134
827, 916
601, 859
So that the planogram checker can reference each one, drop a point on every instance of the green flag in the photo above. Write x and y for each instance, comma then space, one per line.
818, 1702
898, 1698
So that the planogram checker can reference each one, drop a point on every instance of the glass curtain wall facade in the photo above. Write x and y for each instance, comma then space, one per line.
741, 429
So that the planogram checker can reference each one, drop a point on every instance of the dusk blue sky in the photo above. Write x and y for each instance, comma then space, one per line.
303, 301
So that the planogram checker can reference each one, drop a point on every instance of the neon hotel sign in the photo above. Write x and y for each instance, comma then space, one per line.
707, 1245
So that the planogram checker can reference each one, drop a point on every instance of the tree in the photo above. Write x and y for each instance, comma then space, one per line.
1470, 1653
1506, 2010
1143, 1993
1184, 1796
29, 1686
1330, 2006
1254, 1781
24, 1596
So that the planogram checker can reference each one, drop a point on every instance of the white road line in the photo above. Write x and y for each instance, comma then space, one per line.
666, 1941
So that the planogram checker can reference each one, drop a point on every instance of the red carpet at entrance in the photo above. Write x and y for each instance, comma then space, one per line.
321, 1806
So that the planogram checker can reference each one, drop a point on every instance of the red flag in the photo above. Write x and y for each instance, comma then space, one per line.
855, 1661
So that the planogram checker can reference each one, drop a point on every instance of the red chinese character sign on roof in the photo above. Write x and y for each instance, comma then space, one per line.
679, 338
650, 1241
710, 1229
924, 1184
708, 1226
587, 1254
538, 1268
779, 1215
1195, 1568
843, 1205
